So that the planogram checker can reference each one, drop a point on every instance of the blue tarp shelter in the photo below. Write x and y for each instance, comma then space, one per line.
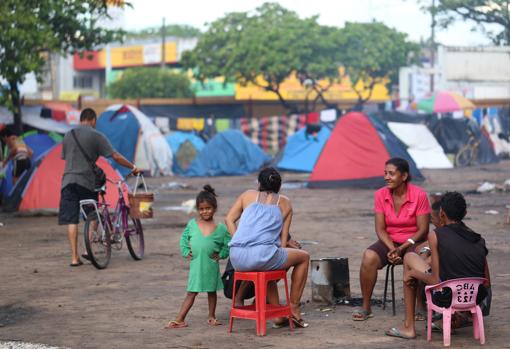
176, 139
229, 153
302, 150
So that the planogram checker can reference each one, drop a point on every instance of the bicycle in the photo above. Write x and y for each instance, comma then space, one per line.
468, 154
100, 224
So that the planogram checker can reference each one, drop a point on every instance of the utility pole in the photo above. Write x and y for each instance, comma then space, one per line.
163, 44
432, 44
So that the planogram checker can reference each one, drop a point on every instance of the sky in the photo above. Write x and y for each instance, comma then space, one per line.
404, 15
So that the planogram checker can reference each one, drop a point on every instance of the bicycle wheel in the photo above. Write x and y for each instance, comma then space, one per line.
134, 238
464, 156
97, 241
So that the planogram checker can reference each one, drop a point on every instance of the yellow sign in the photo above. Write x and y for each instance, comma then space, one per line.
127, 56
72, 96
291, 89
134, 56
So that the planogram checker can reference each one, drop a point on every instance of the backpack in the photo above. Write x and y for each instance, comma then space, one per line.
228, 283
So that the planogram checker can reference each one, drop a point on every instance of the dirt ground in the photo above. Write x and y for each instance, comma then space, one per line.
43, 300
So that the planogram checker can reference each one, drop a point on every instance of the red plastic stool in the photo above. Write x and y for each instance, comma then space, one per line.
261, 311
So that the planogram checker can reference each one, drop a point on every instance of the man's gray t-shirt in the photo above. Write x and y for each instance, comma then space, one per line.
77, 169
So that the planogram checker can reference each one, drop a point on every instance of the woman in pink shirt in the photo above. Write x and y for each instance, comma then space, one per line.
402, 214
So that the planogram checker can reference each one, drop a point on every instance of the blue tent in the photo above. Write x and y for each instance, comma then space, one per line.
302, 150
132, 134
122, 129
175, 140
229, 153
40, 144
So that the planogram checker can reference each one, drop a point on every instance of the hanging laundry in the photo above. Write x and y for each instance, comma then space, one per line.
189, 124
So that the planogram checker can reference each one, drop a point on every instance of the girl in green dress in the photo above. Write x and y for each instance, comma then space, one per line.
204, 243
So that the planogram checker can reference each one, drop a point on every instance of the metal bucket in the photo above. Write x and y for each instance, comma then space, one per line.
330, 280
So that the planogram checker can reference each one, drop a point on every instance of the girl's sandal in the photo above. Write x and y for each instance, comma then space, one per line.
213, 322
176, 324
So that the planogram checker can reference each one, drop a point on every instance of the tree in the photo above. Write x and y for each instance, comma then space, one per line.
373, 53
177, 30
263, 48
33, 29
150, 83
482, 12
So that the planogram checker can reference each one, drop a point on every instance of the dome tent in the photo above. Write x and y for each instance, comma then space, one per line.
229, 153
356, 152
134, 135
38, 190
303, 149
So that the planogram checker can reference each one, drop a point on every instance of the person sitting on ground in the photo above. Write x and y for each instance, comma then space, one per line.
203, 242
401, 220
259, 242
19, 153
457, 252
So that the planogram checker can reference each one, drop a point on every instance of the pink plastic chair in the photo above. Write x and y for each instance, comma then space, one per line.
464, 292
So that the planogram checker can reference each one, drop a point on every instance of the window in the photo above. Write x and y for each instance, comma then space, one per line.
82, 81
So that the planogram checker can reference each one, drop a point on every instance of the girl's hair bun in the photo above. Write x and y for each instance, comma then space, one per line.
209, 189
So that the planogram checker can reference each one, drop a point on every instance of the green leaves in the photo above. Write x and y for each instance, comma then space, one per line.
481, 12
373, 53
495, 13
151, 83
177, 30
33, 29
273, 43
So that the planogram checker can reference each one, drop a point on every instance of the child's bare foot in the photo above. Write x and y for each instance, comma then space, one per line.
213, 322
176, 324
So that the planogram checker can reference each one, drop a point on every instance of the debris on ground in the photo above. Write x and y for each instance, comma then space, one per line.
25, 345
491, 212
308, 242
486, 187
175, 186
187, 206
294, 185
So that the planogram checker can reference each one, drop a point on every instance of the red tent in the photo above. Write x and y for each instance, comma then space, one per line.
42, 190
355, 153
59, 111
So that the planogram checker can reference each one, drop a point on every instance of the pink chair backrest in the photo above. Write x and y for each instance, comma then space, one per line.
464, 291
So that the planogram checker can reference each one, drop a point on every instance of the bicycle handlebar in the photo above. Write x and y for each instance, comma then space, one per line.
122, 180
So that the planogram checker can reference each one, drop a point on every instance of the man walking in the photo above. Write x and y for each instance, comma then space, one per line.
78, 179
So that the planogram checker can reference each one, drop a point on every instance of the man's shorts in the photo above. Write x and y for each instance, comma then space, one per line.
70, 196
382, 250
19, 166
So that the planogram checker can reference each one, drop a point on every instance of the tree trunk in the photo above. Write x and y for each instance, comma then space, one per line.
16, 106
292, 109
